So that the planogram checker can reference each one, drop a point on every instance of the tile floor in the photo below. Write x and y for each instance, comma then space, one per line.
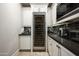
32, 54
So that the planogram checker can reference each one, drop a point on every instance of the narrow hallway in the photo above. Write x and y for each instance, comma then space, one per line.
39, 29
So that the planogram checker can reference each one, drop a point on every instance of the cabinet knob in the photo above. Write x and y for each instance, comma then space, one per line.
58, 46
59, 50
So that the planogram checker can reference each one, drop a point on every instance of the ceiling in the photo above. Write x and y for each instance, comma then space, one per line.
29, 5
25, 4
50, 4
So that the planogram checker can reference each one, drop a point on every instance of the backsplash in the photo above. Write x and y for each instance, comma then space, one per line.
67, 31
74, 26
27, 31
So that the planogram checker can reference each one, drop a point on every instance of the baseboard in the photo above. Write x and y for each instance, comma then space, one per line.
39, 49
15, 53
25, 50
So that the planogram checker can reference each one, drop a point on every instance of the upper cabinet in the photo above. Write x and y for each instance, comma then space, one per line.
67, 11
53, 13
26, 16
49, 17
39, 7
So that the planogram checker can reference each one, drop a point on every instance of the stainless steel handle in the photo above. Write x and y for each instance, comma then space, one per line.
58, 46
59, 50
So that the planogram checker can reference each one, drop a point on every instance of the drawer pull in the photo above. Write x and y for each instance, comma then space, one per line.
58, 46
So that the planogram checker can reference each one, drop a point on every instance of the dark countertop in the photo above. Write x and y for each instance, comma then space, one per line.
26, 31
67, 43
25, 34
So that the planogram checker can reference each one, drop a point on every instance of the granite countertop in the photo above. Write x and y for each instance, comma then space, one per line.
25, 31
25, 34
67, 43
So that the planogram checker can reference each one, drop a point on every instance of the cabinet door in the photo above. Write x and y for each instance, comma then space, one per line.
55, 49
28, 42
49, 17
50, 46
25, 42
65, 52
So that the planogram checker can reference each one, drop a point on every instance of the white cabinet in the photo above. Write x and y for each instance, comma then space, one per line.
26, 16
54, 7
52, 48
65, 52
39, 7
55, 49
49, 17
25, 42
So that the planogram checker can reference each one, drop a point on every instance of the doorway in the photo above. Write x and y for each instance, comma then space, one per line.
39, 32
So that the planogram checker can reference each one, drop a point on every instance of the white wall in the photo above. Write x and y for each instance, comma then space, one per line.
27, 16
10, 17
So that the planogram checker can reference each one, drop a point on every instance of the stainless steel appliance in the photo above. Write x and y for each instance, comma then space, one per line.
63, 32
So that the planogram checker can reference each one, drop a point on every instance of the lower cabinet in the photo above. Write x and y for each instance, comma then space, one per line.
25, 42
55, 49
52, 48
65, 52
